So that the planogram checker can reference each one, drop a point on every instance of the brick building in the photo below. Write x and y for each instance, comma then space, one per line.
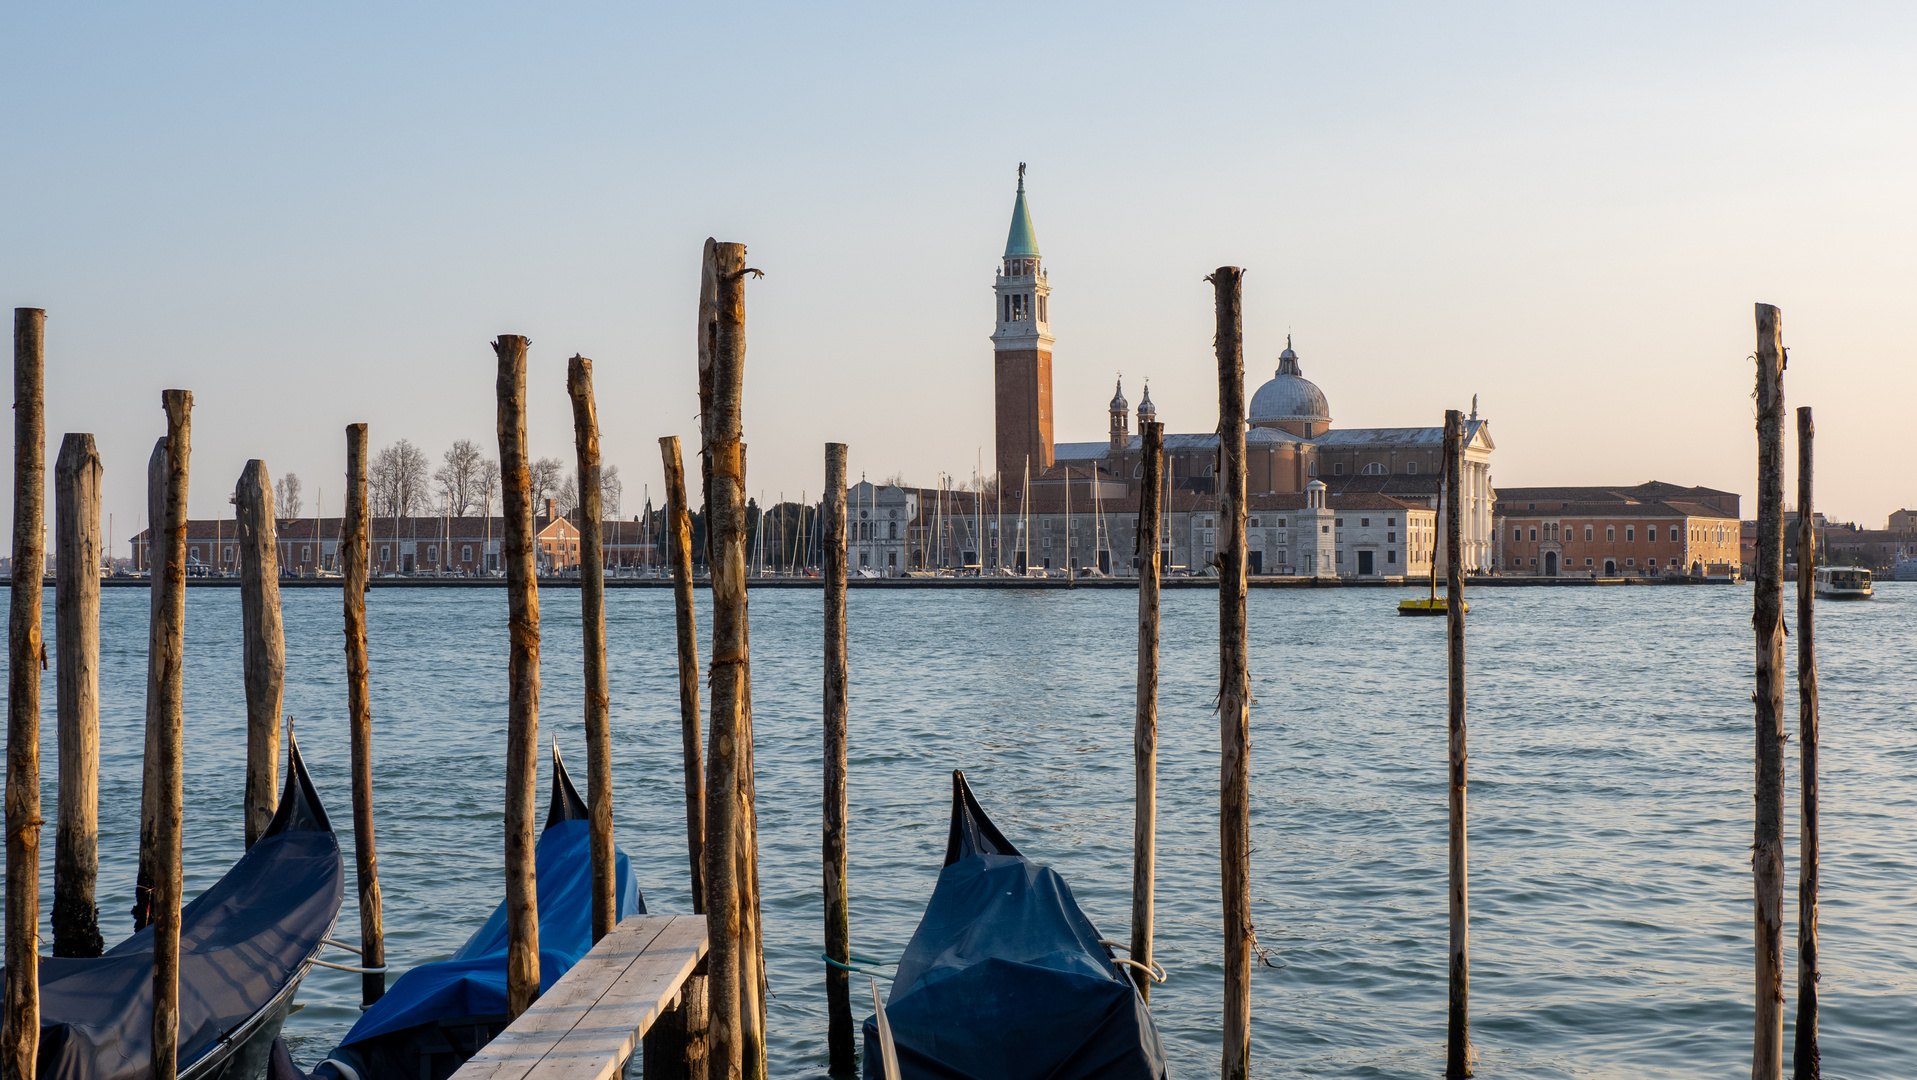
1651, 529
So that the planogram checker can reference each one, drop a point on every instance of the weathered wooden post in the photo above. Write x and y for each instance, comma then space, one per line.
167, 883
20, 1026
841, 1043
733, 984
1806, 1061
678, 535
354, 545
76, 567
1234, 674
263, 647
1145, 716
522, 727
592, 613
1767, 618
1459, 1058
150, 763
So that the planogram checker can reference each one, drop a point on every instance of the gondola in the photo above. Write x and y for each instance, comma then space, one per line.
245, 944
439, 1015
1006, 978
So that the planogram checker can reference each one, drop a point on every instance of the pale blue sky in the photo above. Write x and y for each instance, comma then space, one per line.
317, 215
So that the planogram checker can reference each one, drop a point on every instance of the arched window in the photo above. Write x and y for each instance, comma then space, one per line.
1375, 468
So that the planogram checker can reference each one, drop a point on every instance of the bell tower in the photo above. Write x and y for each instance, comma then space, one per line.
1022, 348
1121, 419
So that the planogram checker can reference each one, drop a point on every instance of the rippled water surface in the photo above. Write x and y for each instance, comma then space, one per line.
1611, 745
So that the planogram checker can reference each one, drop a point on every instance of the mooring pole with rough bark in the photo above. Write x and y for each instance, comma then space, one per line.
1767, 619
354, 551
167, 880
841, 1042
26, 652
1234, 673
1806, 1061
1145, 710
263, 642
522, 726
732, 986
150, 763
76, 569
678, 536
1459, 1057
592, 614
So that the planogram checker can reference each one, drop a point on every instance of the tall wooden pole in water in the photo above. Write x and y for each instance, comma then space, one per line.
1459, 1057
1767, 618
157, 589
171, 788
1145, 716
840, 1040
737, 1039
354, 547
263, 647
20, 1025
592, 614
522, 678
1806, 1061
678, 535
76, 852
1234, 674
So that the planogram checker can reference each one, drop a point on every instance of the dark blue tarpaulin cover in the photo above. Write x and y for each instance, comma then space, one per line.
242, 942
473, 981
1005, 978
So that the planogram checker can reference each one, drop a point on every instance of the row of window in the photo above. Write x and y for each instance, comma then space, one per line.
1651, 563
1552, 532
1017, 307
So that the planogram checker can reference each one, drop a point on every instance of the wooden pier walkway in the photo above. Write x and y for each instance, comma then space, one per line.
591, 1021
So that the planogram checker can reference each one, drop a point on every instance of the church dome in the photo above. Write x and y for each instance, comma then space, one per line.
1118, 398
1146, 410
1289, 395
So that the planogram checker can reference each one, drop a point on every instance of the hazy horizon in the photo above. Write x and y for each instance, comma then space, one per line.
317, 218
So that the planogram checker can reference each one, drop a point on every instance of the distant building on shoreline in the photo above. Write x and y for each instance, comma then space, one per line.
1651, 529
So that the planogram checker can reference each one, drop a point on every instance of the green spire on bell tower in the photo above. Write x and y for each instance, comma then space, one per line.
1022, 241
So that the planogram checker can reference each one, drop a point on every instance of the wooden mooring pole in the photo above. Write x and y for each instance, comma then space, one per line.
26, 652
522, 726
354, 550
263, 648
1806, 1061
841, 1042
1234, 674
167, 883
678, 536
733, 983
157, 588
592, 614
1145, 710
1767, 619
1459, 1057
76, 568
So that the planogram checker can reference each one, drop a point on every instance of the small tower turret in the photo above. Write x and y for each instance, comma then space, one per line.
1147, 412
1121, 418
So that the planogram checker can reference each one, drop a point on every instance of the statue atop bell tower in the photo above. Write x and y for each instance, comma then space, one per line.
1022, 347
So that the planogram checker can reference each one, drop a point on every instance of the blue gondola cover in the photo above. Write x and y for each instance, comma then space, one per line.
1005, 978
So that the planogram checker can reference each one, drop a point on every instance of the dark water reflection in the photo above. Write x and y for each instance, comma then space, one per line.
1610, 810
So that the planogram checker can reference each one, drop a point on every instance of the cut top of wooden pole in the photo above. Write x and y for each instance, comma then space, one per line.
263, 642
20, 1024
592, 613
522, 728
76, 859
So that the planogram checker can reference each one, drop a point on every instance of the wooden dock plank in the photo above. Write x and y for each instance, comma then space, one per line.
589, 1022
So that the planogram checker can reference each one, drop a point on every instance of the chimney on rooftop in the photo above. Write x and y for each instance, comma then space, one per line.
551, 505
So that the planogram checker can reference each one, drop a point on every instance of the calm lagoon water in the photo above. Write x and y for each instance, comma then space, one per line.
1611, 742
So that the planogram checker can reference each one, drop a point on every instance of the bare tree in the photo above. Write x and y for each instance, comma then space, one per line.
486, 486
286, 495
399, 477
458, 476
567, 496
897, 479
610, 488
547, 472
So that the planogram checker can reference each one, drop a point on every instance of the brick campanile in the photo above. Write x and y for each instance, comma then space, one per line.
1022, 350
